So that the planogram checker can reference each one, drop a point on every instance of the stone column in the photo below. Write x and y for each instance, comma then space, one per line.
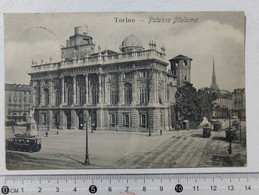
156, 87
74, 120
50, 119
135, 98
74, 89
121, 91
100, 88
33, 93
51, 92
62, 90
86, 89
41, 93
106, 93
100, 119
63, 120
152, 85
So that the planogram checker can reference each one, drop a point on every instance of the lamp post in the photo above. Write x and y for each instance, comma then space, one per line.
87, 162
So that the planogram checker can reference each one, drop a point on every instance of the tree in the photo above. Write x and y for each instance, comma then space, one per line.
188, 104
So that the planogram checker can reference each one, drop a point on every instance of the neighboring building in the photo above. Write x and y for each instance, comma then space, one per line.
222, 106
17, 102
239, 103
214, 84
131, 89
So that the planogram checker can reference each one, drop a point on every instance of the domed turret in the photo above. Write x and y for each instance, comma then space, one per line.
131, 43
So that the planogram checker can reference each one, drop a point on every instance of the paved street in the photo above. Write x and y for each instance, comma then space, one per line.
184, 148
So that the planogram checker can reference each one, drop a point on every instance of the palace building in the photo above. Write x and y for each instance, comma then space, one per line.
130, 90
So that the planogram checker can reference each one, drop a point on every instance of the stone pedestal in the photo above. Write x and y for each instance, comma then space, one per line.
31, 127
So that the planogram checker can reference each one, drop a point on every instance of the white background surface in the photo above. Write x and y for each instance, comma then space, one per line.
251, 9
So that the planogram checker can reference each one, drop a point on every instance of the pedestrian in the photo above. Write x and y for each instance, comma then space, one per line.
46, 134
57, 132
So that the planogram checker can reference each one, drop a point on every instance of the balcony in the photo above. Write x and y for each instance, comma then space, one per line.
100, 60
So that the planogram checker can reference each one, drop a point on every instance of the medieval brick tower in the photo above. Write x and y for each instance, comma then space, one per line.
181, 68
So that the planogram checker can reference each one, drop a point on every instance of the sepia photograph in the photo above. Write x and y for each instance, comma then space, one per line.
133, 90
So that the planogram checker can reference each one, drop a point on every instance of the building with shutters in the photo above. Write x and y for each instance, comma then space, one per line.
130, 90
17, 102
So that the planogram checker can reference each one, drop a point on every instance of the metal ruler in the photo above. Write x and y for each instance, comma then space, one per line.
133, 184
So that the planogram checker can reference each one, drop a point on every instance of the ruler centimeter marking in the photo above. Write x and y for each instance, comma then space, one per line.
132, 184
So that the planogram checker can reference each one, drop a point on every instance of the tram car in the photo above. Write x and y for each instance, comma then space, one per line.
22, 142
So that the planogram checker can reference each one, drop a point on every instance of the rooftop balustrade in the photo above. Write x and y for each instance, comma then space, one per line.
100, 60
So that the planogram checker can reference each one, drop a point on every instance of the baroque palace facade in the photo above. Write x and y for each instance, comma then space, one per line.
130, 90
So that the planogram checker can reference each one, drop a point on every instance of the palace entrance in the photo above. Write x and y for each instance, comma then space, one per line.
68, 116
93, 116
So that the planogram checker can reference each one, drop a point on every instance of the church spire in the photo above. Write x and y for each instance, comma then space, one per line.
214, 83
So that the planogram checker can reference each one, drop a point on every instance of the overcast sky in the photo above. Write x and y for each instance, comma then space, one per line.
218, 34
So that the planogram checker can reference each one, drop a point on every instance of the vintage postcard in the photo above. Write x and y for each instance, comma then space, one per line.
134, 90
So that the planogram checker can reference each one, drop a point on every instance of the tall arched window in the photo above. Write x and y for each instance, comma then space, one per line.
46, 96
128, 93
70, 94
58, 97
114, 95
161, 93
95, 96
82, 99
143, 93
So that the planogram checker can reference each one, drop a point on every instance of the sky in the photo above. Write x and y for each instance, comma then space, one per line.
218, 35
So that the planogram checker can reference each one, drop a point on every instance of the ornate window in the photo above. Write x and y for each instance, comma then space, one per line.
10, 99
161, 119
70, 94
126, 119
143, 93
160, 93
82, 92
127, 75
113, 120
46, 97
128, 93
114, 95
44, 118
25, 99
95, 96
143, 120
143, 74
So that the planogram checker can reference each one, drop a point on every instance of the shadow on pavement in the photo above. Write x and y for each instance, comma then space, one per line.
197, 135
219, 138
67, 156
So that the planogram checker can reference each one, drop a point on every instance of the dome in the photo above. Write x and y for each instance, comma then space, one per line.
131, 42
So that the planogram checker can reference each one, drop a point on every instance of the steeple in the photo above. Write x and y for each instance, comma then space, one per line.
214, 83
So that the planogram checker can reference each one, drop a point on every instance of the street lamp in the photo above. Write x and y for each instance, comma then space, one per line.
87, 162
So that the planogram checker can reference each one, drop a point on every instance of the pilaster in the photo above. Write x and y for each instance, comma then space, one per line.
63, 120
41, 93
74, 89
135, 93
74, 119
62, 90
121, 91
86, 89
